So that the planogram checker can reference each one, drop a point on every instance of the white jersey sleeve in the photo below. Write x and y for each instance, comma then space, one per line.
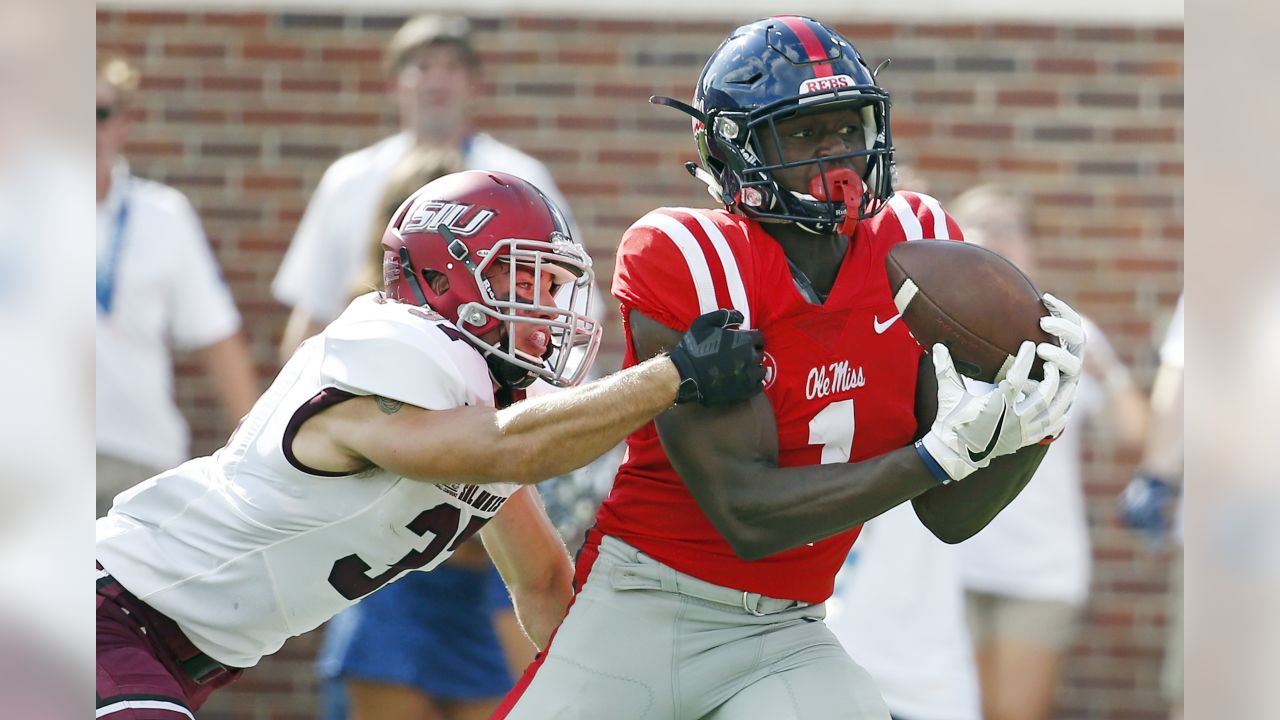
438, 372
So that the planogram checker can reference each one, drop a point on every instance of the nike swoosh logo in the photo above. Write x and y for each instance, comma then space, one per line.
882, 326
995, 435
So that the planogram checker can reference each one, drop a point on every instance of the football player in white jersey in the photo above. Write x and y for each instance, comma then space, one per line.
384, 443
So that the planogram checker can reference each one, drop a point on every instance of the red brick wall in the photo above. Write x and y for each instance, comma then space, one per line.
244, 111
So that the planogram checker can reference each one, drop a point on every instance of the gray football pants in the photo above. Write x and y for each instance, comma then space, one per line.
644, 641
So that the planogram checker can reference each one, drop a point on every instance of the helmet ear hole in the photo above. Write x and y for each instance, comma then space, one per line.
437, 281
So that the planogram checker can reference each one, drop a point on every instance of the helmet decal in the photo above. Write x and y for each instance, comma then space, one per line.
813, 48
464, 220
818, 84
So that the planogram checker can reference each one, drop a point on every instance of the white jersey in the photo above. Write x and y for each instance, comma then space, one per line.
249, 547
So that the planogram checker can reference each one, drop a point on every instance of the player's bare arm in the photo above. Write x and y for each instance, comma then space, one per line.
728, 457
538, 438
530, 441
533, 562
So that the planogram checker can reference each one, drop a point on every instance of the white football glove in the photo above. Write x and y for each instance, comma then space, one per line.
1068, 357
1032, 410
972, 417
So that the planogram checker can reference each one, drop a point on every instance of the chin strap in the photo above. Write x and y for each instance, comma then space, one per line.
506, 375
713, 186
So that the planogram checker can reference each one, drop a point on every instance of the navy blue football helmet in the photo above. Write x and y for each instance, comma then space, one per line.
771, 70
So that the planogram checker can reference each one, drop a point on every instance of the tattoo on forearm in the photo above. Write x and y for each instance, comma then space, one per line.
389, 406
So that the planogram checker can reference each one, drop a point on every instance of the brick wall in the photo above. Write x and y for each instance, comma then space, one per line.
244, 111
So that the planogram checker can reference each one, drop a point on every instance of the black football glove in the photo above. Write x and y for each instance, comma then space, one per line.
718, 363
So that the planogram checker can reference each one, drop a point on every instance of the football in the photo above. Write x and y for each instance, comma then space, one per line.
968, 298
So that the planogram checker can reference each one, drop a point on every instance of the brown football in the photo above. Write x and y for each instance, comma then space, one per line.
969, 298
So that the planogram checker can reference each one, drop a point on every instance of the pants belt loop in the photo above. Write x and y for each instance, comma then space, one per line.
751, 603
667, 576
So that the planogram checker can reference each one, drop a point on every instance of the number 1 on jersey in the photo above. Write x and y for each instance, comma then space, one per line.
832, 428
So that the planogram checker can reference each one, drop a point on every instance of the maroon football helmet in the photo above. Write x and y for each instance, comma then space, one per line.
463, 224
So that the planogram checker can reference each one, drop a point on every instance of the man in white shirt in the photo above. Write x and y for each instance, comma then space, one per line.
432, 69
158, 285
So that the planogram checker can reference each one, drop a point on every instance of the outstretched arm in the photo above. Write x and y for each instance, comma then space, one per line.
538, 438
529, 441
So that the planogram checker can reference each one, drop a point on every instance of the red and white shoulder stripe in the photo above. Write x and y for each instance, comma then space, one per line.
714, 266
918, 217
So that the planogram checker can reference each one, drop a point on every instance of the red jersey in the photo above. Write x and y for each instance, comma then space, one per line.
841, 376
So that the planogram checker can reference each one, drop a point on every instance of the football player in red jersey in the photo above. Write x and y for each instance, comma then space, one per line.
700, 590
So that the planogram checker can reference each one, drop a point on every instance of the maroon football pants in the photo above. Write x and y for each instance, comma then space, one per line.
139, 675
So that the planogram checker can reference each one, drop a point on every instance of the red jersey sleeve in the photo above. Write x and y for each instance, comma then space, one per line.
675, 264
918, 217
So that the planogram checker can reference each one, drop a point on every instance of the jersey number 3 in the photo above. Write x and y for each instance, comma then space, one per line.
832, 428
350, 575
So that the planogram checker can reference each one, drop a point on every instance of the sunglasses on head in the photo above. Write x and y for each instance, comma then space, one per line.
105, 112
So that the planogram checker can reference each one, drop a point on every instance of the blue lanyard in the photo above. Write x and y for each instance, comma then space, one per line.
109, 261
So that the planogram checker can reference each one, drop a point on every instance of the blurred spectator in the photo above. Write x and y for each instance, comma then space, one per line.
432, 69
898, 606
158, 284
1147, 503
898, 609
443, 645
1027, 574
